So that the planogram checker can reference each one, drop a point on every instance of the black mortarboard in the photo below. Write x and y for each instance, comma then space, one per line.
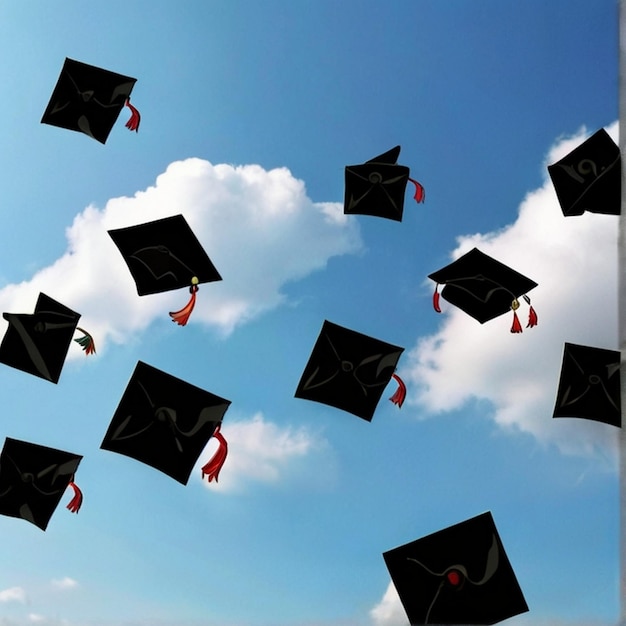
348, 370
164, 255
89, 99
377, 187
589, 386
38, 343
483, 287
164, 422
33, 479
589, 177
459, 575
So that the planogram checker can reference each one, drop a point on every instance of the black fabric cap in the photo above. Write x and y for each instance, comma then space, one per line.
590, 177
348, 370
164, 255
33, 479
164, 422
87, 99
459, 575
377, 187
481, 286
589, 386
38, 343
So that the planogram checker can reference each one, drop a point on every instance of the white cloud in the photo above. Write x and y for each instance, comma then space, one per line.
35, 618
258, 227
389, 611
13, 594
64, 583
259, 450
574, 260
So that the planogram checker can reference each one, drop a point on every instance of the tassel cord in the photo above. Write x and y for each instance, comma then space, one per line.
212, 468
86, 342
135, 117
77, 501
436, 305
182, 317
420, 194
400, 393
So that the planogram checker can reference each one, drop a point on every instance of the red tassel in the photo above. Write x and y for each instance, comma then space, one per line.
77, 501
420, 194
135, 117
436, 300
532, 318
400, 394
182, 317
516, 327
213, 467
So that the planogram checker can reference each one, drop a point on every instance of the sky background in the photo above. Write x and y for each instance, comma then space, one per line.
250, 112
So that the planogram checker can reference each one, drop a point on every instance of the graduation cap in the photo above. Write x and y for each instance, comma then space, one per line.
484, 288
459, 575
166, 423
38, 343
377, 187
349, 371
589, 177
164, 255
589, 386
89, 99
33, 479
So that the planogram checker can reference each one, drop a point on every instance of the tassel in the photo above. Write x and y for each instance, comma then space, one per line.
400, 394
532, 315
182, 317
516, 327
420, 194
77, 501
436, 299
135, 117
86, 342
213, 467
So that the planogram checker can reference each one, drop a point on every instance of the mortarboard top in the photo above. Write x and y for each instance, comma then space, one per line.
348, 370
589, 386
459, 575
483, 287
89, 99
33, 479
377, 187
164, 422
164, 255
38, 343
589, 177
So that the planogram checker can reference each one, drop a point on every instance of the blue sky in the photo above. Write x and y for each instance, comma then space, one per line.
250, 112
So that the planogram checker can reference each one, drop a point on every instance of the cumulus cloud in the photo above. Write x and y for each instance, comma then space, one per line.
13, 594
64, 583
389, 611
574, 260
258, 227
260, 450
